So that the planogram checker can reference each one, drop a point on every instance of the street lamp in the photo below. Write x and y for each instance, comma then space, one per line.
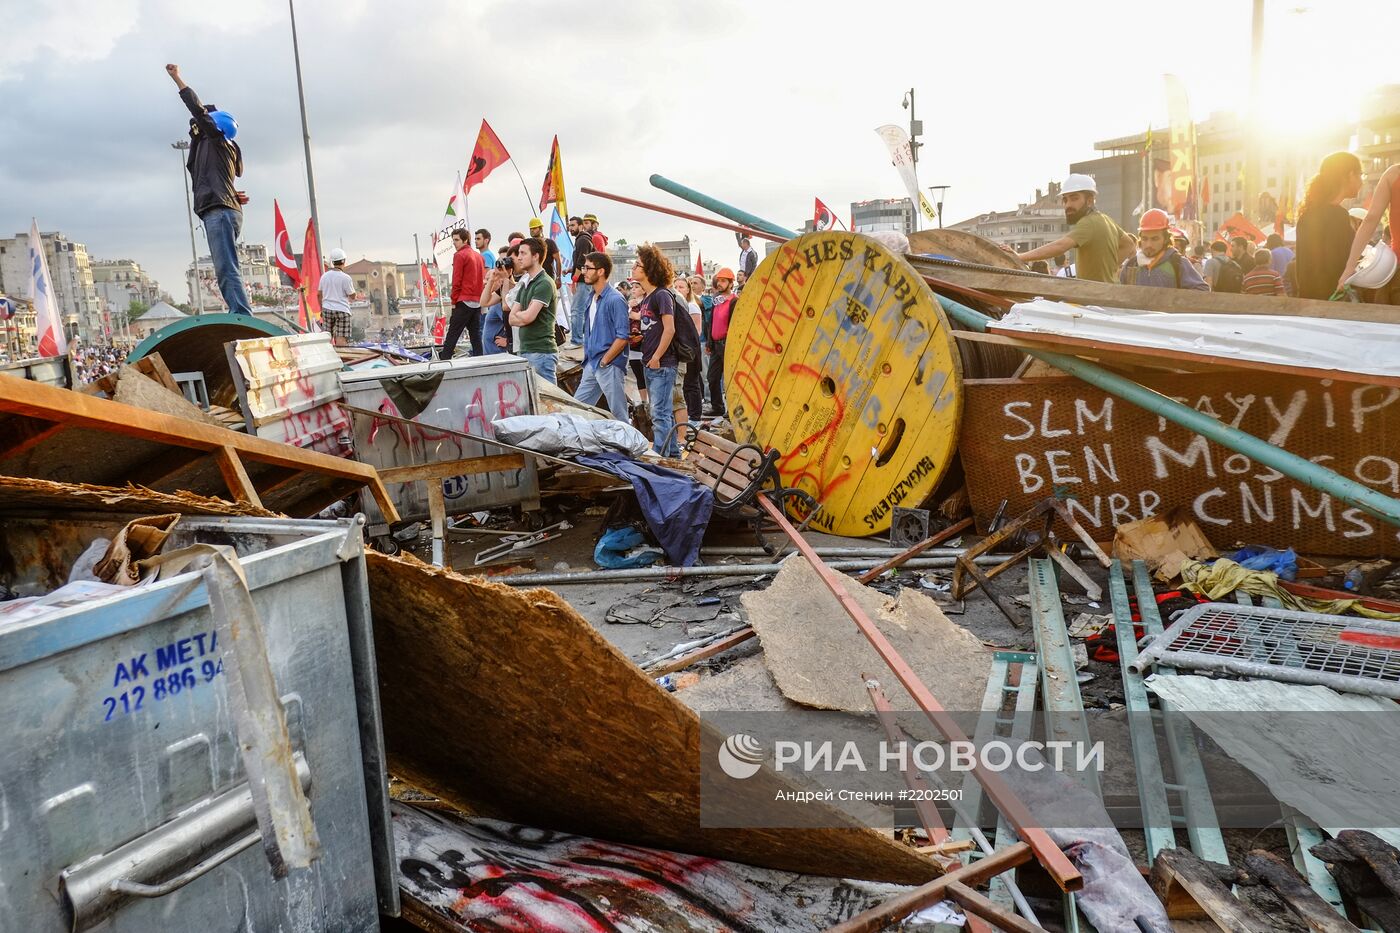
938, 198
916, 127
183, 146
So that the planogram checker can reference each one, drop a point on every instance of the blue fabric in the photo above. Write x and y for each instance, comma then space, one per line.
1284, 563
676, 507
221, 228
488, 259
543, 364
1163, 274
605, 382
578, 313
609, 325
661, 384
611, 552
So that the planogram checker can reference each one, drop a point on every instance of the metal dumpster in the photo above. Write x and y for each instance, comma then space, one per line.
472, 393
124, 804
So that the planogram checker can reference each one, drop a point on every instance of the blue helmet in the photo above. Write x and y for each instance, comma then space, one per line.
226, 123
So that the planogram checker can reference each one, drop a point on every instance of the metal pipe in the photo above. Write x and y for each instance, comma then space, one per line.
305, 132
720, 208
684, 215
1310, 474
716, 570
833, 551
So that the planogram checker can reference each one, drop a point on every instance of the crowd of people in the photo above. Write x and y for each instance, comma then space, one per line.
1329, 242
667, 328
91, 363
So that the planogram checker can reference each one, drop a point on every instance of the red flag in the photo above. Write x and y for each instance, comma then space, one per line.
699, 266
1239, 225
488, 154
429, 285
310, 317
1205, 191
823, 217
282, 253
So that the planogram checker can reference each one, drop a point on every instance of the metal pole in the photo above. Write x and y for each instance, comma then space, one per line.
719, 207
854, 552
183, 146
1251, 140
685, 215
422, 284
305, 132
721, 570
1314, 475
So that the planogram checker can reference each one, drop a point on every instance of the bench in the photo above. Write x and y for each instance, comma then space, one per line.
737, 473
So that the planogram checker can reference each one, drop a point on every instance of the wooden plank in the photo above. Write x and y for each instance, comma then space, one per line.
36, 400
1083, 291
1315, 913
152, 365
22, 434
1190, 889
538, 690
443, 469
1163, 356
700, 654
236, 477
973, 903
900, 907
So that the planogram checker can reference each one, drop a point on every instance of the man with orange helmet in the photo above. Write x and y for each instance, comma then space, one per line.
1157, 263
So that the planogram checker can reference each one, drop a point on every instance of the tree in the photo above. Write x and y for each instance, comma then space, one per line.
136, 309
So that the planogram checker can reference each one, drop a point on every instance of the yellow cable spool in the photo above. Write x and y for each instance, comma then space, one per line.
839, 357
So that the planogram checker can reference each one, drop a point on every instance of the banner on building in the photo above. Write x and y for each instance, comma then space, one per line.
1180, 177
902, 158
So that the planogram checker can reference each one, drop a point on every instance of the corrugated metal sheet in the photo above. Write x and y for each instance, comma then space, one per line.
292, 391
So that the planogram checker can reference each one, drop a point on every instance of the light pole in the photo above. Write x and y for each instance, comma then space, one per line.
916, 127
183, 146
938, 198
305, 132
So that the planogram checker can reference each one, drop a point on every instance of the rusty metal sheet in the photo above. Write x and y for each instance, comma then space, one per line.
840, 358
292, 391
1025, 439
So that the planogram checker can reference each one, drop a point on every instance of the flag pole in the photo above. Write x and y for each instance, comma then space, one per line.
524, 187
422, 284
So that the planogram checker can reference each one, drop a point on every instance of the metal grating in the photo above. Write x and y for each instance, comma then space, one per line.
1357, 655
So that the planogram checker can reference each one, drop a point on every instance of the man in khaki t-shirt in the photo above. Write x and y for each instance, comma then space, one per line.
1100, 244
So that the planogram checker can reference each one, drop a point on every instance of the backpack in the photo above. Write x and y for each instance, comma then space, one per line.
1230, 278
687, 339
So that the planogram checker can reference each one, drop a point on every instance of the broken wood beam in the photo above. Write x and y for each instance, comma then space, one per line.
443, 469
1190, 889
919, 548
897, 908
1055, 862
236, 477
976, 905
700, 654
1296, 894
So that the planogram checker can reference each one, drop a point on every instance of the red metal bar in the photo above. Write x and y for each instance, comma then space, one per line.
923, 801
1055, 862
647, 205
1321, 592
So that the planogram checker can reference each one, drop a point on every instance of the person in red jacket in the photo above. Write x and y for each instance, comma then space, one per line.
468, 279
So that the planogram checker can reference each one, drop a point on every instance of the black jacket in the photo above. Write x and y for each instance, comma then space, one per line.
214, 162
583, 245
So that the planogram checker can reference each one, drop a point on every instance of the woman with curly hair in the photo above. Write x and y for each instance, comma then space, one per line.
1324, 226
658, 324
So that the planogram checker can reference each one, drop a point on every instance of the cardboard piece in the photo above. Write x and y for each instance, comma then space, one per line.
1164, 543
817, 655
508, 704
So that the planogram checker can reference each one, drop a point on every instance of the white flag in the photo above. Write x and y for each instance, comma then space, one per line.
454, 217
48, 321
902, 158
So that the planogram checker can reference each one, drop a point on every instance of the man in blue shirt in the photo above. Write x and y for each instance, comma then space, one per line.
483, 243
605, 338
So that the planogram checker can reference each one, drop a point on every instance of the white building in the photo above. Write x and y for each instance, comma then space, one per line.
72, 280
259, 277
1030, 226
879, 214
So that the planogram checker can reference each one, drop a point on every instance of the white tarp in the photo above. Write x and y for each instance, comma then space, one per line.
1315, 343
1317, 750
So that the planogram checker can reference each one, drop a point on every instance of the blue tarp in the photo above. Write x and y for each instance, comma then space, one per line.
676, 507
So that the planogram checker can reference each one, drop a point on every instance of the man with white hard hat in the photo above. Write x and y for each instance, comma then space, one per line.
337, 291
1100, 243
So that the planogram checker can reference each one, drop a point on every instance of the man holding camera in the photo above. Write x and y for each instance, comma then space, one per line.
468, 279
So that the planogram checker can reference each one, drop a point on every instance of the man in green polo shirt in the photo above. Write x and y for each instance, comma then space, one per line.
1101, 244
533, 309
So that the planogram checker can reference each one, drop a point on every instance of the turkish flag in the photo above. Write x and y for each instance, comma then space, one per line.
310, 318
488, 154
699, 266
823, 217
282, 253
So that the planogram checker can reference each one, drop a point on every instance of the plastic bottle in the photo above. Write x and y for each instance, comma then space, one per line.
1354, 580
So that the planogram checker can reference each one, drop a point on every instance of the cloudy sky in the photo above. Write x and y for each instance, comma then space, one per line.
763, 104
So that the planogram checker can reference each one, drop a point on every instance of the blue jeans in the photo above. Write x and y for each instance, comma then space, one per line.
543, 365
221, 228
582, 296
661, 383
605, 382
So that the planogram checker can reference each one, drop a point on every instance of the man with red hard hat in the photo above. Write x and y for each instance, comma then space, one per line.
1157, 263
